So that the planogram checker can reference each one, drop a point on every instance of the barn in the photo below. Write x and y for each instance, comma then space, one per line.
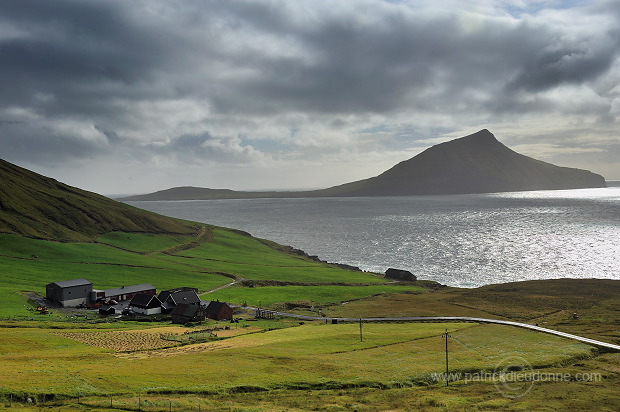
217, 310
185, 313
145, 304
125, 292
69, 293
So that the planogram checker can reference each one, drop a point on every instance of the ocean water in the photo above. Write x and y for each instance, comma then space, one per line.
461, 240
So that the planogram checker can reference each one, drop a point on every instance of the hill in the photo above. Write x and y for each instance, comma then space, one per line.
36, 206
477, 163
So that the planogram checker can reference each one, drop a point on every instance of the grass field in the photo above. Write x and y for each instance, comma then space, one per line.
305, 295
311, 355
280, 364
117, 259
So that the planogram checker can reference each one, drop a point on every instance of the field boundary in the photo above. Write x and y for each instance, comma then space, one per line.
594, 342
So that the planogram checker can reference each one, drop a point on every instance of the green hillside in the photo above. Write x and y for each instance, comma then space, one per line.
166, 261
50, 231
36, 206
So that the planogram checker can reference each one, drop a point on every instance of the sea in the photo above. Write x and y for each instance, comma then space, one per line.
457, 240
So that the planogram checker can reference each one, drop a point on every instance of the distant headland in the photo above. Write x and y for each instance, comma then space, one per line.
477, 163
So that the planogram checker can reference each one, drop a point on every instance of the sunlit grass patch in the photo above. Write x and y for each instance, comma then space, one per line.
268, 295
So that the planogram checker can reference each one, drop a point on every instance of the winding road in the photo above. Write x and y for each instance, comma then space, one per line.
597, 343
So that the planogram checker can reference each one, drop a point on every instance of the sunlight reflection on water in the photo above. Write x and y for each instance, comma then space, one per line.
466, 240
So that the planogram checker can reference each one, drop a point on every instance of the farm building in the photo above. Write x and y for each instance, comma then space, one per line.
125, 292
172, 298
145, 304
184, 313
69, 293
217, 310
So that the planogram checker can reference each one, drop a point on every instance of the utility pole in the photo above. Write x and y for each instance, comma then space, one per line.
361, 339
446, 336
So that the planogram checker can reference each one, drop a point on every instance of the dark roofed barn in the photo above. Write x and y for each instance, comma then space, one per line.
400, 274
217, 310
184, 313
69, 293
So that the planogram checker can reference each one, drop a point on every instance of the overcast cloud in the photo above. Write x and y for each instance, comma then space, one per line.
136, 96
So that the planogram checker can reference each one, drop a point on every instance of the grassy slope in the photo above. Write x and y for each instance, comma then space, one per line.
166, 261
314, 355
40, 207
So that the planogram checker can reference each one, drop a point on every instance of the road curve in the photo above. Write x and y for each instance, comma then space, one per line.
597, 343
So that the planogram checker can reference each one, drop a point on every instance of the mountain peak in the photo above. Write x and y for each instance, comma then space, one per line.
476, 163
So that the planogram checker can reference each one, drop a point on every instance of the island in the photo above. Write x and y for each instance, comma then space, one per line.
477, 163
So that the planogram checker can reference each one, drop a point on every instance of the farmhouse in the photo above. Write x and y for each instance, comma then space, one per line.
172, 298
217, 310
145, 304
69, 293
125, 292
184, 313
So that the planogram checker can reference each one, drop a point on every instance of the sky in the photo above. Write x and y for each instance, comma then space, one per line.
127, 97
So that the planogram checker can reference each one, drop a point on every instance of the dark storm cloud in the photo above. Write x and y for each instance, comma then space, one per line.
347, 58
185, 80
566, 64
67, 57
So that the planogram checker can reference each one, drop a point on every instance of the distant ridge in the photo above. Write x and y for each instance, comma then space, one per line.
36, 206
477, 163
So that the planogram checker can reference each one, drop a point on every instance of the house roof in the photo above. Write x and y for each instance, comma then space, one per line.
142, 300
179, 297
71, 283
129, 289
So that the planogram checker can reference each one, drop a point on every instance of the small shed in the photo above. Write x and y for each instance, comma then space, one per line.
184, 313
69, 293
107, 310
217, 310
145, 304
400, 274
